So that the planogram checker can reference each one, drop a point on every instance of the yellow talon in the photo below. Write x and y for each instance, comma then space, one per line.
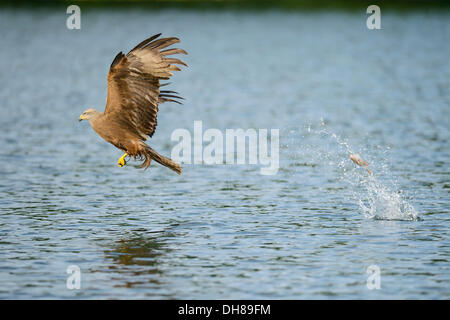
121, 162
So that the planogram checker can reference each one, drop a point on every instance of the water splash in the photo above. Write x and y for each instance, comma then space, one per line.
377, 195
382, 203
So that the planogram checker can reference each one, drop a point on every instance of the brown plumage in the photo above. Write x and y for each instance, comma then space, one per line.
133, 97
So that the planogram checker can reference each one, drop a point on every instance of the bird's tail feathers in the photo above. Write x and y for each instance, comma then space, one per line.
148, 154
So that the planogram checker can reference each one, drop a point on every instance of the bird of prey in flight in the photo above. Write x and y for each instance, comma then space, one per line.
133, 98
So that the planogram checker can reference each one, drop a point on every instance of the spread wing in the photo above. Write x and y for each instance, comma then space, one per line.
134, 84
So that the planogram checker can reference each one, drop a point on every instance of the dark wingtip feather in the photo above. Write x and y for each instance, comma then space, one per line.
172, 100
164, 95
117, 59
162, 43
145, 42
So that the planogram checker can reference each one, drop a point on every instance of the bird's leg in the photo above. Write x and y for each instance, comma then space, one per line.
121, 162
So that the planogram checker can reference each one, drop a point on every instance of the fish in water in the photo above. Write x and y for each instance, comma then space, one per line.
356, 158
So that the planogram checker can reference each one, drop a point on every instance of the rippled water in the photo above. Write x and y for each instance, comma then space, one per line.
331, 86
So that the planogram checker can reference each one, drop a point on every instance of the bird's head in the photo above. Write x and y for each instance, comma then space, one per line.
89, 114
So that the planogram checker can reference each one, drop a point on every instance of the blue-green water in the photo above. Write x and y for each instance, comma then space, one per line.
225, 231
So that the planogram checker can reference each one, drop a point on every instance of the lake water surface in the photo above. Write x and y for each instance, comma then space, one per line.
331, 86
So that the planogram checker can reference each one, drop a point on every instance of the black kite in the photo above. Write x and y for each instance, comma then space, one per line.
133, 98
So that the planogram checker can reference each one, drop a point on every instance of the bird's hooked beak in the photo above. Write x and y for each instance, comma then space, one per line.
82, 118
